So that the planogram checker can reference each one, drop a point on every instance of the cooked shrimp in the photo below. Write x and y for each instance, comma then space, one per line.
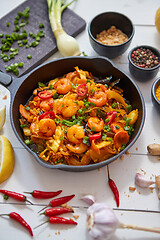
75, 134
79, 148
47, 104
99, 98
73, 76
95, 123
69, 108
47, 127
63, 86
34, 127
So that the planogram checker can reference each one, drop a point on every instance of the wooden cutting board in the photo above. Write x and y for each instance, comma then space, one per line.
72, 23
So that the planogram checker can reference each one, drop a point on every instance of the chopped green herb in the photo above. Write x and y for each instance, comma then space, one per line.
28, 142
29, 56
55, 96
114, 105
7, 24
5, 197
86, 140
73, 86
84, 54
27, 108
93, 129
41, 25
40, 84
23, 125
61, 138
107, 128
129, 107
104, 136
57, 121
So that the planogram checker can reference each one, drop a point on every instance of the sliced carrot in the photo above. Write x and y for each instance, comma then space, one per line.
121, 137
26, 114
82, 81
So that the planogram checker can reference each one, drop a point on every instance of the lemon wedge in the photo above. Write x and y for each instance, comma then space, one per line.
2, 116
6, 159
157, 19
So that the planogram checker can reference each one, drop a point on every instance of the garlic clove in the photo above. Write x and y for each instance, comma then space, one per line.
142, 181
89, 199
101, 221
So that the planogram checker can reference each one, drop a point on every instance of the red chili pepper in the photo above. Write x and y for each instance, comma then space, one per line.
45, 94
17, 196
19, 219
111, 116
44, 195
113, 188
82, 89
95, 136
49, 114
59, 220
56, 211
59, 201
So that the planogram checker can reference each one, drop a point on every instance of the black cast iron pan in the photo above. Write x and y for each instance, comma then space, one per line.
22, 88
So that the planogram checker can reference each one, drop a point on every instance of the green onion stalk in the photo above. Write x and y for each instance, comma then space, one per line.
66, 44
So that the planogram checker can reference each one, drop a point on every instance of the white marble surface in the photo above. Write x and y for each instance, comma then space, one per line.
29, 175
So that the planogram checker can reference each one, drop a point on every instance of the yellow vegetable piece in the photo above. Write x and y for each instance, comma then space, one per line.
6, 159
112, 94
133, 115
157, 19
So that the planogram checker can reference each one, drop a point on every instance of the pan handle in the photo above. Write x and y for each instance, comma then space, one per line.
5, 79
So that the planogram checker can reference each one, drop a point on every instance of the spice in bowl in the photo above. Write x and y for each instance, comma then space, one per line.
144, 58
112, 36
157, 92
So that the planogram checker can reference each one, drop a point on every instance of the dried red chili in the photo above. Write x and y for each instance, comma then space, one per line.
49, 114
17, 196
113, 187
44, 195
82, 90
59, 201
111, 116
95, 136
45, 94
56, 211
18, 218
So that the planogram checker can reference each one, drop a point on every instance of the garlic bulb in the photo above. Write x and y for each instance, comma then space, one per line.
101, 221
142, 181
89, 199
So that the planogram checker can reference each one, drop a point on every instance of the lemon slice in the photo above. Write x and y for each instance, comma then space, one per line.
157, 19
2, 116
6, 159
